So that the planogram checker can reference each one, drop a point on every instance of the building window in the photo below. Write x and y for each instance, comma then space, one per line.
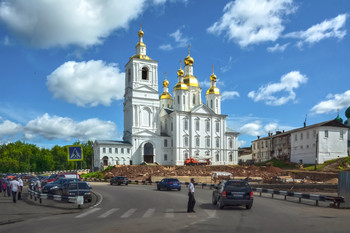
128, 151
104, 150
171, 126
197, 124
165, 157
208, 141
144, 73
183, 100
341, 134
186, 124
178, 99
197, 141
165, 143
129, 75
207, 125
216, 103
116, 150
186, 140
217, 142
211, 103
186, 155
194, 99
326, 133
172, 143
166, 126
314, 133
122, 150
217, 157
230, 158
230, 143
217, 127
301, 136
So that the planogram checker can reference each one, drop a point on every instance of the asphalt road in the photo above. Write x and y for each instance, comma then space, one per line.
141, 208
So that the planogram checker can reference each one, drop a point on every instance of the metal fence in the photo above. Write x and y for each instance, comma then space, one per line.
344, 188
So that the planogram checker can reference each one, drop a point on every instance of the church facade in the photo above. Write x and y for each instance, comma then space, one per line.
167, 129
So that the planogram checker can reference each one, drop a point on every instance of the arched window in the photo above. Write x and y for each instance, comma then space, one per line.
129, 76
197, 124
144, 73
211, 103
105, 161
178, 99
217, 157
230, 143
186, 155
194, 99
197, 141
230, 158
183, 97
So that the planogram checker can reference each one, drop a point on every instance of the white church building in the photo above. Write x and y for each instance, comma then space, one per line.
164, 128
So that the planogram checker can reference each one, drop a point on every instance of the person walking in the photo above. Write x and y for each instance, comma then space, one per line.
14, 187
8, 187
191, 200
4, 186
20, 181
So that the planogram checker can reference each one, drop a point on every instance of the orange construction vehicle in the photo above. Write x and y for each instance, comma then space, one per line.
192, 161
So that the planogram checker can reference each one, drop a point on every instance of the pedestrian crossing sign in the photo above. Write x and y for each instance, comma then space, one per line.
75, 153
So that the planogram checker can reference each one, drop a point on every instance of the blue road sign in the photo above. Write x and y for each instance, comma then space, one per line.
75, 153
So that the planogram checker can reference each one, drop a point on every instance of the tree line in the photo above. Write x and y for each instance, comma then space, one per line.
23, 157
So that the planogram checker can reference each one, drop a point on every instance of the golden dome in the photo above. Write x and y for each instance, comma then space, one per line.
140, 56
189, 60
165, 83
213, 77
140, 33
213, 90
180, 86
190, 80
180, 72
141, 44
165, 95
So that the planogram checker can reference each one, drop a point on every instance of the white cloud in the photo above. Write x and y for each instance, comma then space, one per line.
44, 24
253, 128
277, 48
253, 21
87, 83
269, 93
229, 95
167, 47
9, 128
333, 28
335, 102
180, 41
55, 127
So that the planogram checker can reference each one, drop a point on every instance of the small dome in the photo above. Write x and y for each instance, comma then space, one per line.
191, 81
140, 33
165, 83
180, 72
180, 86
339, 119
165, 95
189, 60
140, 56
141, 44
213, 90
213, 77
347, 112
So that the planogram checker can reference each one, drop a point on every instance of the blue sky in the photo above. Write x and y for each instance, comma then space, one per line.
277, 62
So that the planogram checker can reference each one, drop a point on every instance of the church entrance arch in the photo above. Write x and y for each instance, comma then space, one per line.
148, 152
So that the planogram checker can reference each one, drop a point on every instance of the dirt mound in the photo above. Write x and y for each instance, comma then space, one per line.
141, 172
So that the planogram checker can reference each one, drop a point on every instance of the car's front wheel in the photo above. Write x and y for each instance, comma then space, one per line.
248, 206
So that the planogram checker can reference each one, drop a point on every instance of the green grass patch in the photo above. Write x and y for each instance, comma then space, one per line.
278, 163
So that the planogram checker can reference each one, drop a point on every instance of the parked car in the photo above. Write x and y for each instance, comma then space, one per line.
70, 189
119, 180
56, 187
169, 183
54, 177
233, 193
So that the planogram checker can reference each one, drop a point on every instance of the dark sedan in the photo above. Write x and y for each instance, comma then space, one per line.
75, 188
233, 193
56, 186
119, 180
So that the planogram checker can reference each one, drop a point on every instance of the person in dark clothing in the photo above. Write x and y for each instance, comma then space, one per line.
191, 200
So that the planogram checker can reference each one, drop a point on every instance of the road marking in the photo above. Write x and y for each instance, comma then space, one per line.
211, 213
148, 213
109, 212
99, 201
128, 213
88, 212
169, 213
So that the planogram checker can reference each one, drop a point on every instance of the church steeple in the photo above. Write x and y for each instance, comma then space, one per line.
141, 47
189, 79
165, 98
213, 97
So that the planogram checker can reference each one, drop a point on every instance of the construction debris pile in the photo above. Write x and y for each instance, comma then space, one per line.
140, 172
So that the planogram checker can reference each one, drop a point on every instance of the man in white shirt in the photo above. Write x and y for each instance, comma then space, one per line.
20, 181
191, 201
14, 187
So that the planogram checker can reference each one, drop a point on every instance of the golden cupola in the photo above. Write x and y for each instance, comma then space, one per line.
141, 48
165, 94
213, 89
189, 79
180, 85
